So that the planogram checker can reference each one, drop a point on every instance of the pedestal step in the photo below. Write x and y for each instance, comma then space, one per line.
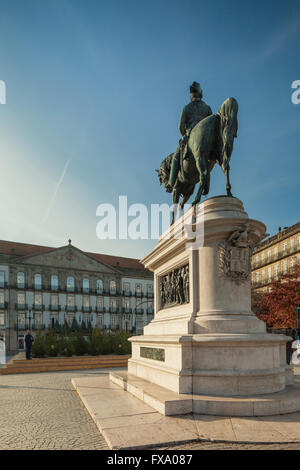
171, 403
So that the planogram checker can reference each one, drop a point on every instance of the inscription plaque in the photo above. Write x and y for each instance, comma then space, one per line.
153, 353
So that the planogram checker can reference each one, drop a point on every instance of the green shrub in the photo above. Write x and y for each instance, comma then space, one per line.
80, 345
39, 347
65, 346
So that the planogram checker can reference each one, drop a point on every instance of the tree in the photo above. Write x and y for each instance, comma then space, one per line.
277, 307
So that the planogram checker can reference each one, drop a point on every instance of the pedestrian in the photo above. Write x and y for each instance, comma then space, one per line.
28, 344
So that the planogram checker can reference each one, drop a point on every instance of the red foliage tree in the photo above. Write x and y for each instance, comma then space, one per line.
277, 306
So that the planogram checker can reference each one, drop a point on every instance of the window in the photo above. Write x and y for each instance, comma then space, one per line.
262, 274
284, 267
269, 255
100, 321
20, 280
86, 285
262, 257
100, 302
292, 244
149, 288
138, 288
126, 286
38, 299
112, 286
70, 284
292, 262
70, 300
54, 282
99, 285
126, 304
38, 319
54, 299
2, 319
21, 298
150, 304
298, 242
257, 276
2, 278
275, 251
284, 245
276, 271
113, 321
2, 298
85, 301
269, 274
21, 319
37, 281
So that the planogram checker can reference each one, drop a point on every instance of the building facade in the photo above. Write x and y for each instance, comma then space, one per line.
40, 286
275, 256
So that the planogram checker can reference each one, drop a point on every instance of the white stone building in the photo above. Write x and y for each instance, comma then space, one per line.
40, 286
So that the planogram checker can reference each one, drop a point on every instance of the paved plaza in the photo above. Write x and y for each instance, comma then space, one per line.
43, 411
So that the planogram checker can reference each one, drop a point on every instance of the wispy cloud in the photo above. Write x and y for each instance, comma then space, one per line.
56, 189
278, 41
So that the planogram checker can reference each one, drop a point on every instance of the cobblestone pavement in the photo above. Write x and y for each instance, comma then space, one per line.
43, 411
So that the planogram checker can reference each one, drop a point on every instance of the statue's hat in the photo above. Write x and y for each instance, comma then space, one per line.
195, 87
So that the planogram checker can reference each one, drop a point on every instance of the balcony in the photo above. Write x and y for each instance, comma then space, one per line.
139, 311
113, 292
149, 295
37, 287
86, 309
100, 291
71, 308
126, 310
21, 306
113, 309
38, 307
127, 293
86, 290
100, 309
21, 285
54, 308
139, 294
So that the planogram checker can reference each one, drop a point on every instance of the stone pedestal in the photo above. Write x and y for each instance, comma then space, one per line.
204, 339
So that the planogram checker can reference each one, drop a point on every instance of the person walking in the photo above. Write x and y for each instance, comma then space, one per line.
28, 344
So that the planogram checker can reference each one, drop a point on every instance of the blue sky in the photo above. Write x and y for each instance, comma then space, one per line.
94, 93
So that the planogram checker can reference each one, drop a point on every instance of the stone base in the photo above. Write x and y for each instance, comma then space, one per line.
218, 364
169, 403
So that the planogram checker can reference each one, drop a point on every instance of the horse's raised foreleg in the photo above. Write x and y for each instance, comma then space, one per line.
203, 172
176, 196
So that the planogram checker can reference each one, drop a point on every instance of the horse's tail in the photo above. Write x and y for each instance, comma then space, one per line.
228, 128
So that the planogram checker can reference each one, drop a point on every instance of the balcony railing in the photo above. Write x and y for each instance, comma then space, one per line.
38, 307
86, 309
139, 311
127, 310
21, 306
100, 309
150, 311
127, 293
71, 308
54, 308
113, 309
139, 294
150, 295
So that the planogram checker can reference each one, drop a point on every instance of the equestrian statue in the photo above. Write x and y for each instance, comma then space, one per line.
206, 139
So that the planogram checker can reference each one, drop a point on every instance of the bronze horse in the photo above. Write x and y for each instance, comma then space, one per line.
210, 142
